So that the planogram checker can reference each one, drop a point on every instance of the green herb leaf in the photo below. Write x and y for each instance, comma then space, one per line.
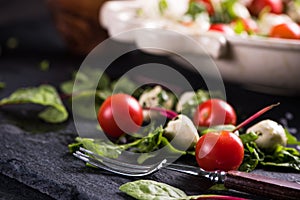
248, 137
44, 65
226, 127
283, 157
2, 85
162, 5
252, 157
152, 190
190, 106
291, 139
195, 8
44, 95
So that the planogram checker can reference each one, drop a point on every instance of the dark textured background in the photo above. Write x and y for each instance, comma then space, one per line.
34, 159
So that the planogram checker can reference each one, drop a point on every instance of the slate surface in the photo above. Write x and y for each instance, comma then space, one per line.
34, 159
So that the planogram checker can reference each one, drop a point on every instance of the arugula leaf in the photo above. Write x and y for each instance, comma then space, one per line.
252, 157
290, 138
283, 157
286, 157
152, 190
195, 8
248, 137
44, 95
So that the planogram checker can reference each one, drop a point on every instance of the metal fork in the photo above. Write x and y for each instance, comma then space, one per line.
240, 181
128, 169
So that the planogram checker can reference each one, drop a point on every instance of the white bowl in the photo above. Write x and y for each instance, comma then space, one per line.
269, 65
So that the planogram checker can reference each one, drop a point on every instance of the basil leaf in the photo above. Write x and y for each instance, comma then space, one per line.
152, 190
44, 95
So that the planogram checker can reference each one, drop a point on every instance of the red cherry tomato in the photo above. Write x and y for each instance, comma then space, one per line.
119, 114
274, 6
208, 5
214, 112
286, 30
223, 28
219, 151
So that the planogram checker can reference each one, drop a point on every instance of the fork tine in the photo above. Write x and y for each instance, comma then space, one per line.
115, 161
118, 169
114, 166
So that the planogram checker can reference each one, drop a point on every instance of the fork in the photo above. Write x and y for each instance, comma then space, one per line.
240, 181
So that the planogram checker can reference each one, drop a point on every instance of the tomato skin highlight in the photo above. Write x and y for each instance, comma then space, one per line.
214, 112
223, 28
208, 5
286, 30
219, 151
256, 6
119, 114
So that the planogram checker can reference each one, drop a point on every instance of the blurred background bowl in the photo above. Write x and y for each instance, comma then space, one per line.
77, 22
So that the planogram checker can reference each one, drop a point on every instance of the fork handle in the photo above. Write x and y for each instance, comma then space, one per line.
262, 185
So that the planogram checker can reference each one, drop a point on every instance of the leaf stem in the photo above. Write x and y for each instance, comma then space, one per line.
254, 116
165, 112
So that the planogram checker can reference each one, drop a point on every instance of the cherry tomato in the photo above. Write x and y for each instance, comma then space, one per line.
286, 30
119, 114
223, 28
208, 5
219, 151
274, 6
214, 112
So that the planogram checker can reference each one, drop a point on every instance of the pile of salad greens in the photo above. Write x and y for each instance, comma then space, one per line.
153, 137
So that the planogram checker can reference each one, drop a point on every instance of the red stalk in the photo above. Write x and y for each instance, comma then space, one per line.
165, 112
254, 116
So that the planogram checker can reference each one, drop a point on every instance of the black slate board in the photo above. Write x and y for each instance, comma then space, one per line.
34, 159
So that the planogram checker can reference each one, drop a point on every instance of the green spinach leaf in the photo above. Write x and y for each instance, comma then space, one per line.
44, 95
152, 190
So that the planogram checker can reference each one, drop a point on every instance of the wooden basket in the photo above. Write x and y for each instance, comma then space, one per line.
77, 21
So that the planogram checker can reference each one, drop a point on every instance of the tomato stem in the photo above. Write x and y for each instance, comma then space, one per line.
165, 112
254, 116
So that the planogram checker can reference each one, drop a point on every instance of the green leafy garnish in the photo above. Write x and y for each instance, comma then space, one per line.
190, 106
162, 5
44, 95
195, 8
291, 139
283, 157
146, 145
44, 65
151, 190
2, 85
